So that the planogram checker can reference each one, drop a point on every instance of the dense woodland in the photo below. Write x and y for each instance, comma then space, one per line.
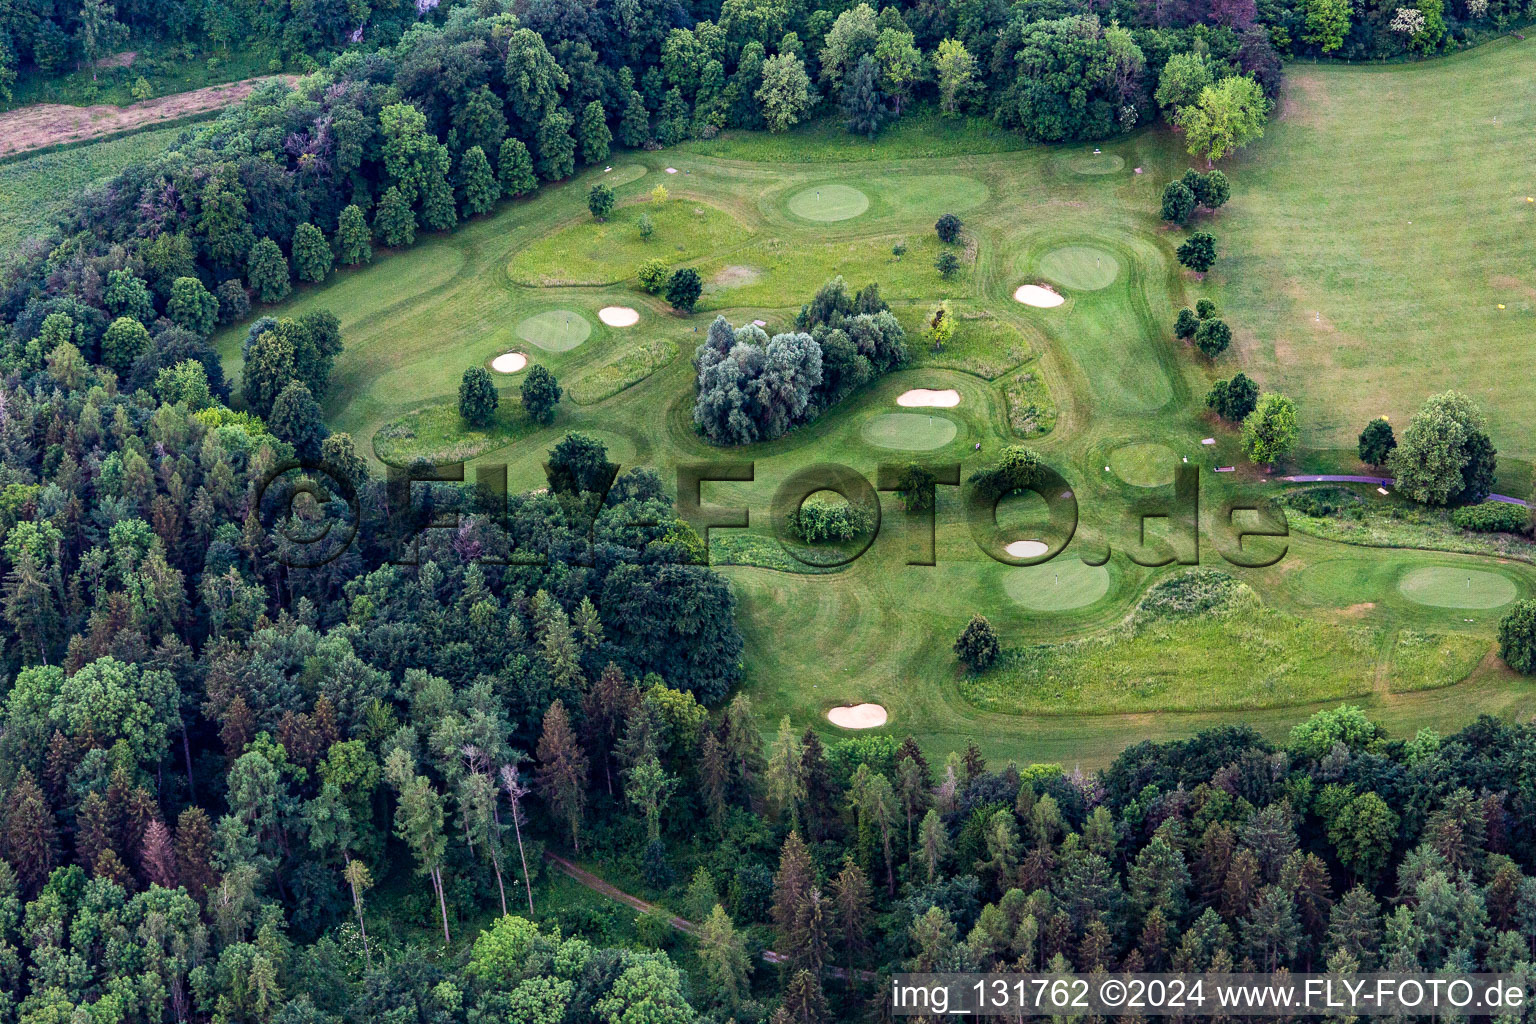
233, 790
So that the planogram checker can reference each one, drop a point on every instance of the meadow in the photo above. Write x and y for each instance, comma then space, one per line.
1097, 384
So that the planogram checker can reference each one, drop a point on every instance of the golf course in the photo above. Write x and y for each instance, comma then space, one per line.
1331, 271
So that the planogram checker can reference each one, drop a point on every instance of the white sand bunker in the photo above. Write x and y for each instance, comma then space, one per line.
948, 398
859, 716
1027, 549
509, 362
618, 316
1037, 295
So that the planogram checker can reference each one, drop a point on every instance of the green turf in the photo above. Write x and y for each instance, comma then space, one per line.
1080, 267
1079, 382
1372, 235
1059, 585
1446, 587
555, 330
1089, 162
828, 202
1144, 464
909, 431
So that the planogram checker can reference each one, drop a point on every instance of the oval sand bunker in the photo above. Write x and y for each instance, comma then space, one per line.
919, 398
618, 316
509, 362
1027, 549
1038, 295
858, 716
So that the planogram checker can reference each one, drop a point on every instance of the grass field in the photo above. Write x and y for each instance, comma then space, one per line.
1097, 383
1374, 234
37, 189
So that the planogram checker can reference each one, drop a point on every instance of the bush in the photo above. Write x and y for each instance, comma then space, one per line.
1191, 593
477, 397
653, 276
1517, 638
1322, 502
540, 394
1213, 337
600, 201
684, 288
1198, 252
977, 646
823, 521
1376, 442
1233, 399
1178, 202
1492, 517
948, 227
1186, 324
947, 263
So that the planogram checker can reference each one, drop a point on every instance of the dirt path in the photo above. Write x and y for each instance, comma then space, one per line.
683, 925
49, 124
1379, 481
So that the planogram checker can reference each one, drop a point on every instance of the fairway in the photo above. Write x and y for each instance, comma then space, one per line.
1059, 585
1081, 267
828, 203
1144, 464
908, 431
1446, 587
557, 330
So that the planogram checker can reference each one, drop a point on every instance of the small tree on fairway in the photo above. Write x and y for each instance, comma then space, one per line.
1205, 309
948, 227
646, 227
1233, 399
514, 169
1186, 324
540, 393
1444, 454
1178, 202
1212, 337
1270, 431
941, 326
191, 306
477, 397
1198, 252
659, 194
977, 646
947, 263
899, 250
653, 276
312, 256
600, 201
1213, 189
684, 289
354, 244
1377, 442
478, 189
1517, 638
595, 136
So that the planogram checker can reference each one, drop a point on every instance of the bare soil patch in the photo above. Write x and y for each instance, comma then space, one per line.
50, 124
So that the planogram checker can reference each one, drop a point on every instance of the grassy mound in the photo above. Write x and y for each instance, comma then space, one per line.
1144, 464
593, 252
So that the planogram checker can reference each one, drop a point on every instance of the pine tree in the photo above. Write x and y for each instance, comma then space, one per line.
804, 1001
595, 136
312, 256
932, 843
515, 169
31, 836
296, 418
562, 772
714, 780
791, 890
394, 222
852, 915
419, 824
723, 954
556, 148
864, 110
477, 185
354, 243
157, 859
603, 710
267, 271
438, 212
635, 128
194, 853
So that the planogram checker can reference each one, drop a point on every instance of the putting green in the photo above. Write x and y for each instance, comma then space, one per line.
1446, 587
1144, 464
909, 431
828, 203
558, 330
1095, 163
1086, 268
1058, 585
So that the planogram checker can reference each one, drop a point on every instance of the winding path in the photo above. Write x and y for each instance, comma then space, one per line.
682, 924
1379, 481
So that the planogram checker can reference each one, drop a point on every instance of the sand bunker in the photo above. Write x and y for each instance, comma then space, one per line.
1037, 295
618, 316
509, 362
1027, 549
859, 716
948, 398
